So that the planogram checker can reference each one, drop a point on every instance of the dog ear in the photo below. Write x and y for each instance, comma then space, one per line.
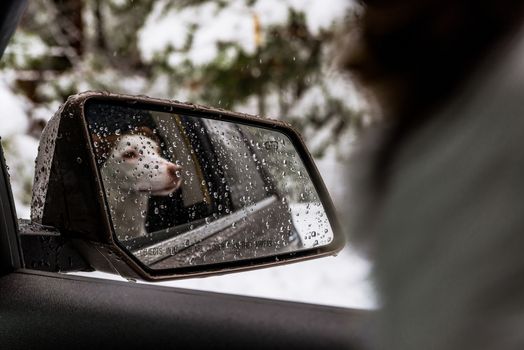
147, 132
97, 145
102, 147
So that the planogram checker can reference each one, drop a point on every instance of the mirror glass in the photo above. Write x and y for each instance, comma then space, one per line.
188, 190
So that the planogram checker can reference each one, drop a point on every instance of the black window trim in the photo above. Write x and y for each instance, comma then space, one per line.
10, 252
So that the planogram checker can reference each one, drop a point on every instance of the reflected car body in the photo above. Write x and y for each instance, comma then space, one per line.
227, 190
196, 233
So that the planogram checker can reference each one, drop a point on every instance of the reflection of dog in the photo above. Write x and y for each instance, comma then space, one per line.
133, 170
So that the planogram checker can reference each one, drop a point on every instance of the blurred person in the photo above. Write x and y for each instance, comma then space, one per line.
440, 201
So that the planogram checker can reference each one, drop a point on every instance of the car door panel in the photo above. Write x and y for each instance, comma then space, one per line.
72, 311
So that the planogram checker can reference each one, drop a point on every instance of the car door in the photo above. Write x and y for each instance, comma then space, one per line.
40, 309
62, 311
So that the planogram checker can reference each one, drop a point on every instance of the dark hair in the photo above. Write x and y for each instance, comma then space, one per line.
414, 55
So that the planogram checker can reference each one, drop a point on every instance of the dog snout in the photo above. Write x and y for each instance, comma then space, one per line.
173, 170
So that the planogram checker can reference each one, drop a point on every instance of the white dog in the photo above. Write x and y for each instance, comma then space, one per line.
133, 171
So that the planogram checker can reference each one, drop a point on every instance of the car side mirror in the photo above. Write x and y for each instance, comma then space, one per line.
156, 189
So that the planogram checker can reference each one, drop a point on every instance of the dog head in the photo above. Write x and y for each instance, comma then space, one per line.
133, 162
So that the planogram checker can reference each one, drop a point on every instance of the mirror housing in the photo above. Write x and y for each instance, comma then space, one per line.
68, 192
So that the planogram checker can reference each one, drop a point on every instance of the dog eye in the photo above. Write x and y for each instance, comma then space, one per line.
129, 155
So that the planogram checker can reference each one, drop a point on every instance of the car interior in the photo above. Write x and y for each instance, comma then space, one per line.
41, 306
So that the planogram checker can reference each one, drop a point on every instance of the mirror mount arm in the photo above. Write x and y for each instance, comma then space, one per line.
45, 249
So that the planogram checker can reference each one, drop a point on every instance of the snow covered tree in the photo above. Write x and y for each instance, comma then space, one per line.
268, 57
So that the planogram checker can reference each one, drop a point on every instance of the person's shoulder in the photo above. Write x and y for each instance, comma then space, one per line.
482, 124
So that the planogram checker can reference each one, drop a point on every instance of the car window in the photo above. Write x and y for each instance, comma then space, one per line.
238, 159
272, 58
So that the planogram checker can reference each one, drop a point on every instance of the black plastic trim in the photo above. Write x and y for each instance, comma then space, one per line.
10, 253
10, 14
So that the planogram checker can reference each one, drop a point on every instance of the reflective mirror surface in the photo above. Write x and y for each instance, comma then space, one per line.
188, 190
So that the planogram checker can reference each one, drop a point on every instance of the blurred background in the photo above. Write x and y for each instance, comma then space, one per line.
274, 58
